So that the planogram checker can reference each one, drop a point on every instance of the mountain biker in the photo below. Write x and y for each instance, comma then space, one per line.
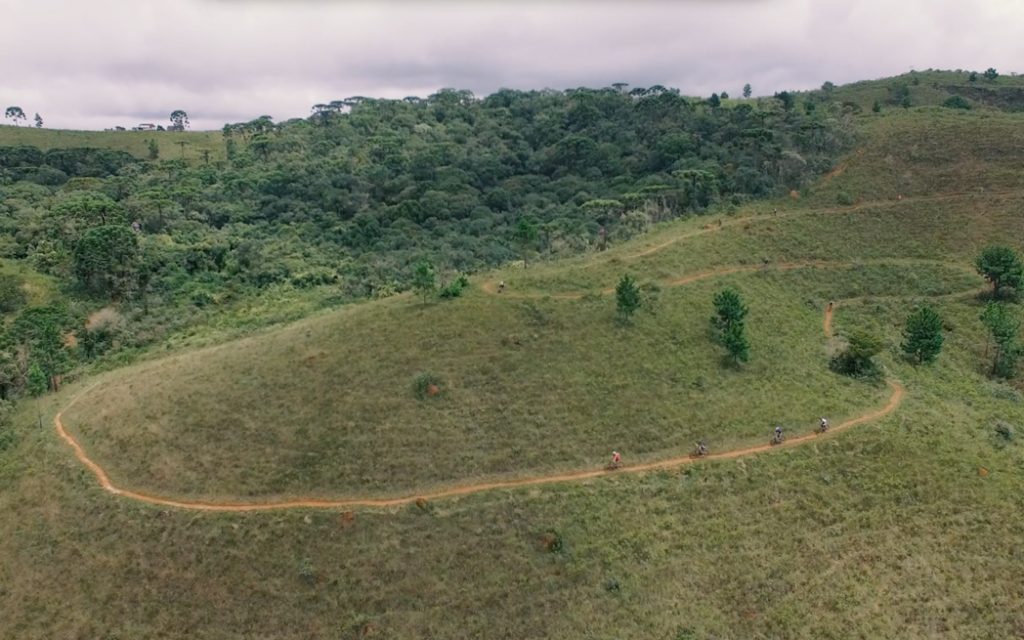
778, 434
702, 449
501, 286
823, 424
616, 459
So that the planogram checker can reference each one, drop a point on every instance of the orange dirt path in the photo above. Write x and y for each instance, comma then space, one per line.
460, 490
466, 489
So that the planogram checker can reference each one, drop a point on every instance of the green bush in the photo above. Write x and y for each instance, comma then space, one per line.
956, 102
454, 288
424, 383
858, 358
844, 198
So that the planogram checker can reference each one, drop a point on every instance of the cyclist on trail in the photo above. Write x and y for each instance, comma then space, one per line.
616, 459
823, 425
777, 438
702, 449
501, 286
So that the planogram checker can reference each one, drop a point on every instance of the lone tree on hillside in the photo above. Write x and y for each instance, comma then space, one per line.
858, 357
991, 74
728, 323
424, 279
1003, 328
39, 121
526, 234
922, 336
746, 90
179, 120
627, 297
1002, 267
14, 114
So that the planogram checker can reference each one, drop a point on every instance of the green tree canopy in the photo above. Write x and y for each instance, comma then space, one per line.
424, 279
627, 297
1003, 328
1002, 267
922, 336
106, 260
858, 357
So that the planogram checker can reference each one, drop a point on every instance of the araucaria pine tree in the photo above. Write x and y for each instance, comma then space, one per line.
728, 323
922, 336
627, 297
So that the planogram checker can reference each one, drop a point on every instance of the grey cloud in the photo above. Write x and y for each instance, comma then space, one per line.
107, 62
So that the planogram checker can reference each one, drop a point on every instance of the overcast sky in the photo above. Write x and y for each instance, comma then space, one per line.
93, 64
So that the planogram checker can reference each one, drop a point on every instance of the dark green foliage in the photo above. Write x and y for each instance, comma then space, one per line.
876, 107
627, 297
1002, 267
153, 150
37, 381
922, 336
728, 323
787, 99
454, 288
1003, 327
734, 339
526, 234
424, 279
179, 120
40, 332
1004, 433
360, 191
899, 94
729, 309
991, 74
426, 385
75, 162
956, 102
973, 76
714, 101
858, 357
746, 90
106, 260
12, 295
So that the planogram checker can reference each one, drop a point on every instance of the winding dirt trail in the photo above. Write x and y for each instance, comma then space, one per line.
896, 396
891, 404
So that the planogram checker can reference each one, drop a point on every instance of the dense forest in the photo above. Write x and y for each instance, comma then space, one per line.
352, 198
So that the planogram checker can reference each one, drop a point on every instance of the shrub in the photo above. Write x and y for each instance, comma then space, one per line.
1005, 432
844, 198
956, 102
454, 288
627, 297
426, 385
858, 358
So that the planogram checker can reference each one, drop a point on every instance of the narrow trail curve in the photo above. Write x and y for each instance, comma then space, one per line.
461, 490
101, 475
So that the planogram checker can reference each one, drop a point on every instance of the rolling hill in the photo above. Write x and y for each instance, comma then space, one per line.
903, 525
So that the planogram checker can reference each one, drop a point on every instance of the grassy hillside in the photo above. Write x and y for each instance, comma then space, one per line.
133, 142
905, 527
931, 87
